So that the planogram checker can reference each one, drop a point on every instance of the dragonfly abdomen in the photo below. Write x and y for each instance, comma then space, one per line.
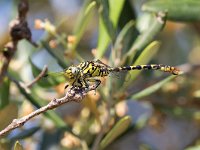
160, 67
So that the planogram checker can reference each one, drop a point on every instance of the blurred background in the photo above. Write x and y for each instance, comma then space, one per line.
139, 110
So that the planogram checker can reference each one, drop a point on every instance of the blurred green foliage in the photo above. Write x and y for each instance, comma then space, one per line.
119, 34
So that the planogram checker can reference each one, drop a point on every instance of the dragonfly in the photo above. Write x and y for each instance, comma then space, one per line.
89, 72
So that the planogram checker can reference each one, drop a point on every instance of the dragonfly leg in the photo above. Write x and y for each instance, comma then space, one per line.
77, 84
66, 86
96, 82
85, 83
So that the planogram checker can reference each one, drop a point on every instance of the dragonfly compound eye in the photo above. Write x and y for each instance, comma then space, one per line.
74, 70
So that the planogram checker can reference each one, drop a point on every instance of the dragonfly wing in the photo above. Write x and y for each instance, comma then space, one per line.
54, 74
100, 63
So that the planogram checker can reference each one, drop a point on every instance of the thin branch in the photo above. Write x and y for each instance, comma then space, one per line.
103, 129
18, 30
71, 95
43, 72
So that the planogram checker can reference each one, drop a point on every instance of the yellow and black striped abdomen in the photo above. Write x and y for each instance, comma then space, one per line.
160, 67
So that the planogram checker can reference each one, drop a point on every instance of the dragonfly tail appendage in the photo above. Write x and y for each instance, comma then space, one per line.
170, 69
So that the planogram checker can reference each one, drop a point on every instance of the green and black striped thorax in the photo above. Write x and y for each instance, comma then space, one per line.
93, 69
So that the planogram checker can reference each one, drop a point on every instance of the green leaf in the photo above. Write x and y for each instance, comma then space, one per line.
177, 10
18, 146
109, 16
83, 20
4, 92
141, 121
179, 112
25, 133
103, 40
121, 40
120, 127
105, 12
146, 37
7, 114
144, 58
121, 46
46, 81
152, 88
196, 147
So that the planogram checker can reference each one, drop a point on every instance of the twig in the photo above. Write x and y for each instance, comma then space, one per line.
71, 95
100, 135
43, 72
18, 30
104, 126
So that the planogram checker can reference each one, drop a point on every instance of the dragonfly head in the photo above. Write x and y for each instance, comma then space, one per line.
71, 72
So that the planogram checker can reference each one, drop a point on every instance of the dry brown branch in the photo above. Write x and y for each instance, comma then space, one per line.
43, 72
18, 30
71, 95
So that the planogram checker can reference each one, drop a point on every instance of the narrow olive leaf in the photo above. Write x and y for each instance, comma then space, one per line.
147, 54
39, 103
18, 146
121, 126
4, 92
48, 81
196, 147
57, 54
108, 19
105, 11
152, 88
116, 7
119, 49
141, 121
146, 37
179, 112
25, 133
119, 44
103, 40
83, 20
7, 114
179, 10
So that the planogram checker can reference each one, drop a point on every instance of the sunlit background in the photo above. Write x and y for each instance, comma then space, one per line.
168, 119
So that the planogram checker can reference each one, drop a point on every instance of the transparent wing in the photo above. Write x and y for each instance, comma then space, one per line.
53, 78
120, 75
54, 74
